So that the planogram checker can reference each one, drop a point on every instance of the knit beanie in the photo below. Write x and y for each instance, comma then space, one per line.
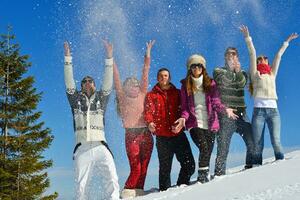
195, 59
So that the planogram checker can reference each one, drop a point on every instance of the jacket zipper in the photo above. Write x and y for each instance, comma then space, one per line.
167, 108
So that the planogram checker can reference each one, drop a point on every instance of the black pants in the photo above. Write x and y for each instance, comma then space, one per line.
166, 148
204, 140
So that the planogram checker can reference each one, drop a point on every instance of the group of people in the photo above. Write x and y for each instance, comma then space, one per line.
208, 108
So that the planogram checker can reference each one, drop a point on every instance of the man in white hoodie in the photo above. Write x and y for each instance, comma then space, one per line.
93, 159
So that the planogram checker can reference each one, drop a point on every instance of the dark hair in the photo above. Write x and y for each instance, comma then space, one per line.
231, 48
251, 88
191, 87
163, 69
118, 106
88, 77
260, 57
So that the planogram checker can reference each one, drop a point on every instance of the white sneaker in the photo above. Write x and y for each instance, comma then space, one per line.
128, 193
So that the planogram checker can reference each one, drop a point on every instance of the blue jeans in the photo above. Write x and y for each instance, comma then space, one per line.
271, 117
227, 128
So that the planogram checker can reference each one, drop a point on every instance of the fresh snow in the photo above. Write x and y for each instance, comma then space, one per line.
275, 180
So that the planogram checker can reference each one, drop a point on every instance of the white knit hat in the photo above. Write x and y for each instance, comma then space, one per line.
195, 59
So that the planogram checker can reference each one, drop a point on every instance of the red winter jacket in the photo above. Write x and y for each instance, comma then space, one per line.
163, 108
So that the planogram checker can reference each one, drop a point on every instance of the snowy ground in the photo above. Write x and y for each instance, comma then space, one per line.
278, 180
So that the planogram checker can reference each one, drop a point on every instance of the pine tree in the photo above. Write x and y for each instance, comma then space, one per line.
23, 139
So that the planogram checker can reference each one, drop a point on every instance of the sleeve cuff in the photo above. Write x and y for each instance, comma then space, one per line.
68, 59
184, 117
109, 61
286, 43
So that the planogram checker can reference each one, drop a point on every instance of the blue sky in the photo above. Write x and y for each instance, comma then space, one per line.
180, 29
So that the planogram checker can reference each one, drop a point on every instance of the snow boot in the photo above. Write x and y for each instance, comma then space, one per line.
128, 193
203, 175
248, 166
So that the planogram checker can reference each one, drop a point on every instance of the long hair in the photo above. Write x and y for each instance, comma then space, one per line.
250, 87
191, 87
118, 106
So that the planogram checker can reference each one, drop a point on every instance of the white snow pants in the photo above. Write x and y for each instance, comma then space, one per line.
95, 173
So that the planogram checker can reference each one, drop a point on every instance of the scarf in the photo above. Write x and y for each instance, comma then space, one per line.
198, 82
264, 68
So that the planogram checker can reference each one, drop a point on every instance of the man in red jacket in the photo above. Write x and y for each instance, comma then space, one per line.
162, 109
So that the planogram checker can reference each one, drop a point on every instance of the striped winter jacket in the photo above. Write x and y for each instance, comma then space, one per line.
88, 113
231, 86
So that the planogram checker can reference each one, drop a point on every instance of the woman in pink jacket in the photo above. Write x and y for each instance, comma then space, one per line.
138, 139
200, 105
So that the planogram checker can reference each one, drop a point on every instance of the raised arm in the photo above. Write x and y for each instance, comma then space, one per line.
251, 49
277, 59
108, 71
118, 82
68, 70
145, 74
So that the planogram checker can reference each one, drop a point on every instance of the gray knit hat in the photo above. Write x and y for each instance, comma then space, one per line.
195, 59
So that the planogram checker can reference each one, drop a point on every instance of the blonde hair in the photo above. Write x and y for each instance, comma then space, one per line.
117, 100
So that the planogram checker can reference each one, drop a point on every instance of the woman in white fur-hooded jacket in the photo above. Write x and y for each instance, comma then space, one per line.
92, 157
